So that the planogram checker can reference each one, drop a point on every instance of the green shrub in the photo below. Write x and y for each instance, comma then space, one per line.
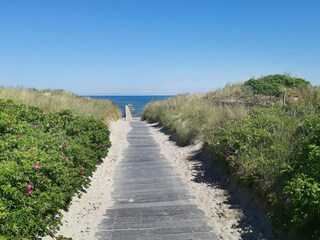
274, 84
276, 152
45, 158
297, 205
256, 148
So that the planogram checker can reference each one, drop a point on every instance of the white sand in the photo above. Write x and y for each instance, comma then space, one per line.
85, 213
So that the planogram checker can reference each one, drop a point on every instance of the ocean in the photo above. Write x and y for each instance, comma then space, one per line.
139, 102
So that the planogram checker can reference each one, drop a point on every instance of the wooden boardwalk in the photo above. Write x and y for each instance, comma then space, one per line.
151, 202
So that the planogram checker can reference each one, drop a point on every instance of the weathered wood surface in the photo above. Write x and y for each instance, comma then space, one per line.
150, 200
128, 113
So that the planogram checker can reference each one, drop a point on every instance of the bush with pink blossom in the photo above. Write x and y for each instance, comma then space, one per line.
45, 159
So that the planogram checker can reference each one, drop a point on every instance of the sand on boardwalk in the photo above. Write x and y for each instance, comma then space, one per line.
81, 220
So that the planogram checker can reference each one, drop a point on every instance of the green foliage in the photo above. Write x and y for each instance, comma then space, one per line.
257, 148
276, 151
63, 238
297, 206
45, 158
274, 85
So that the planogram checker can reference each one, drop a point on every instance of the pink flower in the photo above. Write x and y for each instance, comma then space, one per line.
29, 192
30, 185
37, 166
81, 171
18, 136
41, 218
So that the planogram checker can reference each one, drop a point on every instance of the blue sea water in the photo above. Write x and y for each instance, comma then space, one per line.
139, 102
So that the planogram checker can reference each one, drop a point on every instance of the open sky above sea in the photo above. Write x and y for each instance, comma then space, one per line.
143, 47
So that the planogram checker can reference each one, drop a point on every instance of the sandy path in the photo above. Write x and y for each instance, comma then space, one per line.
85, 213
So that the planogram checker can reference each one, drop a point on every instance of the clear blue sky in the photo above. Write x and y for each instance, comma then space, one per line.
155, 46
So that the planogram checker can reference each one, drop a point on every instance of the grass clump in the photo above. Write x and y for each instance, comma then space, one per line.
274, 150
231, 93
55, 100
189, 116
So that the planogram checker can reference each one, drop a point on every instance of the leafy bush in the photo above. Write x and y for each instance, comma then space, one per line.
257, 148
44, 160
297, 206
276, 151
273, 84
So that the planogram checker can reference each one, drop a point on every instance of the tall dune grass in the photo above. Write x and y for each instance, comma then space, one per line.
54, 100
190, 117
231, 92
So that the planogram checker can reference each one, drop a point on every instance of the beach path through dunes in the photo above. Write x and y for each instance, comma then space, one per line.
150, 200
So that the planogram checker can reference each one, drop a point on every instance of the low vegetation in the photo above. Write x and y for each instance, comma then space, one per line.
54, 100
190, 116
273, 149
275, 85
49, 147
45, 159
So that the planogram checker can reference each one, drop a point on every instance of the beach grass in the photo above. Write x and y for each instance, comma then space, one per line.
190, 116
51, 100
